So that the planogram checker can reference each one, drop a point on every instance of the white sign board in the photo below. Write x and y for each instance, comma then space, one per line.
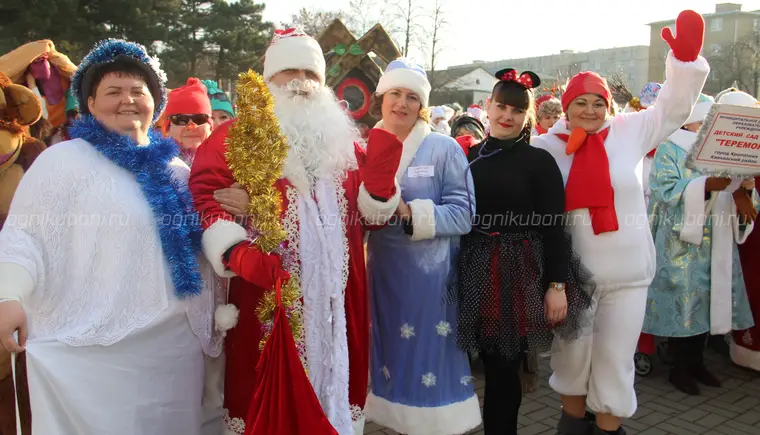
728, 144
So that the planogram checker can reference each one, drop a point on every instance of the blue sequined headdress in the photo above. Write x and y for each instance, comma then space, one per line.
117, 50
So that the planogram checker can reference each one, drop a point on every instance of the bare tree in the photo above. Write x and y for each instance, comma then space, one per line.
361, 16
405, 22
736, 65
435, 47
313, 21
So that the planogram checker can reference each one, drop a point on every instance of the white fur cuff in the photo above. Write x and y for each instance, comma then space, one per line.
225, 318
16, 282
377, 212
694, 215
217, 239
423, 219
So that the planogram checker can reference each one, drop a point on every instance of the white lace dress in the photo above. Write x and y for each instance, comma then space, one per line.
111, 350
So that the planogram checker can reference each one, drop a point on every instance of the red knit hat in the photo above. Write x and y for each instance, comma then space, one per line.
586, 82
190, 99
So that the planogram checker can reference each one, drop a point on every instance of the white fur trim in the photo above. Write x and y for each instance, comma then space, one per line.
377, 212
225, 317
721, 269
738, 98
423, 219
456, 418
16, 283
296, 52
404, 78
359, 425
217, 239
745, 357
694, 211
411, 144
699, 112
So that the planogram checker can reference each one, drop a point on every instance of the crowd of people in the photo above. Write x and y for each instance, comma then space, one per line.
179, 265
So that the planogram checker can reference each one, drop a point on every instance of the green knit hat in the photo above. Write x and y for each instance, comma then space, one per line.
219, 99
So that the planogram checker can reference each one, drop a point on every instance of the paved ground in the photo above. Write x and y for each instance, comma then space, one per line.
733, 409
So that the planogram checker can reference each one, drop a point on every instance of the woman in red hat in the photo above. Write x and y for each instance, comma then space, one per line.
598, 155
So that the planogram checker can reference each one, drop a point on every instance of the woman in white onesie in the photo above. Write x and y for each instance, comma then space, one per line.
598, 156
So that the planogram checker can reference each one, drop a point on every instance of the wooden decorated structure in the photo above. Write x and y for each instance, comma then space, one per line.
354, 66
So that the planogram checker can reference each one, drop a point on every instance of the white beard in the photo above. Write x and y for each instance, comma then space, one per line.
320, 133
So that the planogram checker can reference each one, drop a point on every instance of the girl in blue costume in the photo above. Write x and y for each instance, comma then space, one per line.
421, 382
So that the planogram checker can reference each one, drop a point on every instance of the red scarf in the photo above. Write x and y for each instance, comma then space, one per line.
541, 130
589, 185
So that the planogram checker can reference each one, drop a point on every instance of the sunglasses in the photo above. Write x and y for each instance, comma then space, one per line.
182, 120
221, 96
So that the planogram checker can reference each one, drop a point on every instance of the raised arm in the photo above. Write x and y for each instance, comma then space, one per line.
685, 75
379, 192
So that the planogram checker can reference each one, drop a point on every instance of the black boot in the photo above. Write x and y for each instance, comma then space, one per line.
569, 425
698, 369
681, 375
619, 431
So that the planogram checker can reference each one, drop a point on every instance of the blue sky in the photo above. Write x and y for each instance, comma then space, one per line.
499, 29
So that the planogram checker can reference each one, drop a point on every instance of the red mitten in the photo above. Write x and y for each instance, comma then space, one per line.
378, 170
256, 267
690, 36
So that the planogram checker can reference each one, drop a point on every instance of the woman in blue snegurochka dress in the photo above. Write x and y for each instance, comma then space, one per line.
421, 382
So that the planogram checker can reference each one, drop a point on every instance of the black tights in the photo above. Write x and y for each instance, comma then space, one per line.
503, 394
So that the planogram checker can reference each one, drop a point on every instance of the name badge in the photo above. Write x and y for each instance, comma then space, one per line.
420, 171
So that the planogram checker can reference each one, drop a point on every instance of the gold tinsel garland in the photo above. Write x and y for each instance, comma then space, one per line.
635, 103
256, 152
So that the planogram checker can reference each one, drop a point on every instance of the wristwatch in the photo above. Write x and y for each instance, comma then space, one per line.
558, 286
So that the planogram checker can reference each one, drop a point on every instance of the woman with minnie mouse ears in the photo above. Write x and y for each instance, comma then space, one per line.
599, 158
516, 283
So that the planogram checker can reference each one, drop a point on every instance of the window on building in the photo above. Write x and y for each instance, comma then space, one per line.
715, 48
716, 25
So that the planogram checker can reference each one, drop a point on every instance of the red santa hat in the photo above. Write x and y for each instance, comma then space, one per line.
586, 82
190, 99
294, 49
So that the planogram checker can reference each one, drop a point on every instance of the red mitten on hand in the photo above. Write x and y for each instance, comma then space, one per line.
690, 36
256, 267
378, 170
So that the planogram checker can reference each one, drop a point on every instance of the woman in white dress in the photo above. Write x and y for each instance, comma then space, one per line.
99, 272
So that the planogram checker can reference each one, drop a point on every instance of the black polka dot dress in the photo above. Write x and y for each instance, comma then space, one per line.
518, 246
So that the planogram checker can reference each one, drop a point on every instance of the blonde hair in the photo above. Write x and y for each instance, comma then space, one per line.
376, 108
550, 107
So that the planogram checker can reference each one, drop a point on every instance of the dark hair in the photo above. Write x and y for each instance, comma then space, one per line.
120, 70
469, 123
516, 95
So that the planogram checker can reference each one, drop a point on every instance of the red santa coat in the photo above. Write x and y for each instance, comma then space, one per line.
745, 346
210, 172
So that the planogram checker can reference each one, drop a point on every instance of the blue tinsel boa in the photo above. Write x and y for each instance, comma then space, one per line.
172, 205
